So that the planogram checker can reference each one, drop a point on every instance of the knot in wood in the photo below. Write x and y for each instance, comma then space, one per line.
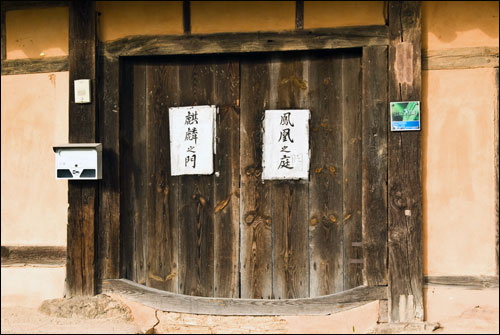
249, 218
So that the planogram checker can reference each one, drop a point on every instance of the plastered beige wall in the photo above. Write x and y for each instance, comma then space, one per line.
324, 14
459, 24
127, 18
34, 117
458, 111
241, 16
458, 171
36, 33
21, 286
462, 311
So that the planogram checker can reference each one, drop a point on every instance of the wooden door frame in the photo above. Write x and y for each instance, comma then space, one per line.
402, 37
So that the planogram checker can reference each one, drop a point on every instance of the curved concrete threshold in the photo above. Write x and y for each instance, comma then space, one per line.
171, 302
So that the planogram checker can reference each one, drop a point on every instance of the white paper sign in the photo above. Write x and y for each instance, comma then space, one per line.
192, 139
286, 144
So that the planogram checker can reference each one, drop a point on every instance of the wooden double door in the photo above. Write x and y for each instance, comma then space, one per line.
230, 234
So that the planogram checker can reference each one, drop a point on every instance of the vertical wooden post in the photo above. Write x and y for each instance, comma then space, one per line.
186, 16
404, 165
299, 15
82, 195
3, 49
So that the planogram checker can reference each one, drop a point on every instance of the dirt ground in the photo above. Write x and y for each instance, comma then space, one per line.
103, 315
96, 315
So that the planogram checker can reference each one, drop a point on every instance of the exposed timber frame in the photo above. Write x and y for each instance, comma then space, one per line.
82, 195
460, 58
19, 5
33, 255
180, 303
299, 14
469, 282
404, 168
317, 39
25, 66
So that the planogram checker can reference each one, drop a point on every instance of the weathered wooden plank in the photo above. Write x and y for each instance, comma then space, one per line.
108, 251
497, 149
196, 254
169, 198
138, 178
374, 161
226, 306
336, 38
33, 255
404, 168
162, 232
227, 171
82, 195
32, 65
470, 282
289, 198
325, 177
186, 16
255, 209
127, 140
299, 14
459, 58
19, 5
3, 49
352, 170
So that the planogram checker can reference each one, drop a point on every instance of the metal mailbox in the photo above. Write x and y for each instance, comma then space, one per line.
79, 161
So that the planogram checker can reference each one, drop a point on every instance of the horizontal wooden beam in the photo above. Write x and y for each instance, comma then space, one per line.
154, 45
27, 66
18, 5
459, 58
33, 255
172, 302
471, 282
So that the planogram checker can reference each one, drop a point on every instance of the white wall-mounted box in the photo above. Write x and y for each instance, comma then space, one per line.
82, 91
79, 161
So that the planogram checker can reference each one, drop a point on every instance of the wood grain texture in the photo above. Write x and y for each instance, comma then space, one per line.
3, 49
108, 233
186, 16
139, 197
32, 65
336, 38
299, 14
20, 5
497, 148
470, 282
82, 195
129, 140
162, 227
351, 148
374, 161
404, 168
289, 198
226, 306
255, 209
226, 185
459, 58
325, 177
29, 255
196, 254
